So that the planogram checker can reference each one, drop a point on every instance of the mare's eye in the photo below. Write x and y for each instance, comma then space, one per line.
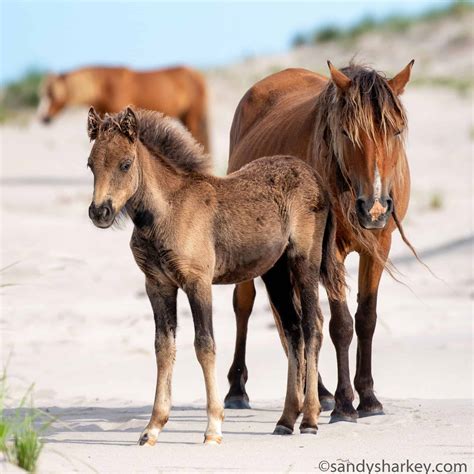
345, 133
90, 165
125, 166
397, 133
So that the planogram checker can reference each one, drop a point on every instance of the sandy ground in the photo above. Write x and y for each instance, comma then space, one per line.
75, 320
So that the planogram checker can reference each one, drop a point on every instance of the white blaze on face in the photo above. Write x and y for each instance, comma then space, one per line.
377, 183
43, 107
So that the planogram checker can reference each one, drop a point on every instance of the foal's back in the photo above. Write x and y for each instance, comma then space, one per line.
259, 210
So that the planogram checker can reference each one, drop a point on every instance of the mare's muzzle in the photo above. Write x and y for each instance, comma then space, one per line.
374, 213
102, 216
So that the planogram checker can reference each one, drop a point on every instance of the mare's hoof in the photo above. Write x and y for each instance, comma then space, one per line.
327, 403
370, 406
350, 417
309, 430
282, 430
237, 403
373, 411
212, 439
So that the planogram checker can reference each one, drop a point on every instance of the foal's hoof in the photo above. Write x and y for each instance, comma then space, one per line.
349, 416
327, 403
308, 430
148, 438
212, 439
237, 403
282, 430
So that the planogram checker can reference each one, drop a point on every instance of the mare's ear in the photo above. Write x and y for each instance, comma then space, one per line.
339, 78
93, 123
398, 83
129, 124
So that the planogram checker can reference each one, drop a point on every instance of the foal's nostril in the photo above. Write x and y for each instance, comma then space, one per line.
105, 212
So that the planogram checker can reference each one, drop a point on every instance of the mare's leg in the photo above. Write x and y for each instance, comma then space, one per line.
200, 299
244, 297
306, 275
341, 331
280, 292
163, 302
365, 320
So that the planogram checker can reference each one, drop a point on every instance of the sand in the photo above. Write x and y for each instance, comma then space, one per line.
76, 323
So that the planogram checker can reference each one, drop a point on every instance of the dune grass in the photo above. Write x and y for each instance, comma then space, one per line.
20, 429
392, 23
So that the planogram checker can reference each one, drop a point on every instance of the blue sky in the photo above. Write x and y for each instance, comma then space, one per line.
59, 35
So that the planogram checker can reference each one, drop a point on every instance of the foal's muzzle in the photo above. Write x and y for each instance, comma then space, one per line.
102, 216
374, 213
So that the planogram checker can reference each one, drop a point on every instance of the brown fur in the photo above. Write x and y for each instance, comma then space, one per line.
179, 92
350, 128
193, 229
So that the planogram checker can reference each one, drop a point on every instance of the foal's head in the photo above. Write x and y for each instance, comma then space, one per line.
113, 161
365, 127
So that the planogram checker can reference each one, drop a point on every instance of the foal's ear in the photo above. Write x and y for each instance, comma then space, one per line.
339, 78
93, 123
398, 83
129, 124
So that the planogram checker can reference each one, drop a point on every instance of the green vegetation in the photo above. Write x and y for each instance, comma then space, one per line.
436, 201
393, 23
20, 429
20, 95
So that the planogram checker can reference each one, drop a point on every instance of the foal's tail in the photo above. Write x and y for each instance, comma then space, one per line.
332, 272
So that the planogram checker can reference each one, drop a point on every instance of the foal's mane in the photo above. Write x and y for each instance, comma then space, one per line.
368, 105
167, 138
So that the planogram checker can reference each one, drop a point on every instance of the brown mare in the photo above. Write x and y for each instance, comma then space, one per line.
350, 129
192, 230
179, 92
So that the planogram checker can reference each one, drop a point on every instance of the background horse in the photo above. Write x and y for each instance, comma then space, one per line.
179, 92
350, 128
193, 229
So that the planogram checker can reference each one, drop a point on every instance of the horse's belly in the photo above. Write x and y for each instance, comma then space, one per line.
246, 263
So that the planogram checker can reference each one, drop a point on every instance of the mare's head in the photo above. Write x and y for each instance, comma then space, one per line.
113, 161
364, 133
53, 97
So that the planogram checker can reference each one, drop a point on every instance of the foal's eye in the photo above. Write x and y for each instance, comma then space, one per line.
89, 164
397, 133
345, 133
125, 166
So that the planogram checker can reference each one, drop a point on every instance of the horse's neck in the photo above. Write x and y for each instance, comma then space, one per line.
158, 181
83, 87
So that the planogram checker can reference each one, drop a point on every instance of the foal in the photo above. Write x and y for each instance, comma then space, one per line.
193, 229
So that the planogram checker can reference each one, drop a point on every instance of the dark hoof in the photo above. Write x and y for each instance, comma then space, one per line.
237, 403
143, 440
350, 417
309, 430
282, 430
327, 403
372, 412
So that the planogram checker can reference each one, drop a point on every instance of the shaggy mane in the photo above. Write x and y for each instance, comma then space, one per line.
166, 137
368, 105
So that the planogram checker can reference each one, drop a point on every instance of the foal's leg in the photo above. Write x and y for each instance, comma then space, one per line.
306, 276
200, 299
163, 302
365, 320
280, 292
244, 297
